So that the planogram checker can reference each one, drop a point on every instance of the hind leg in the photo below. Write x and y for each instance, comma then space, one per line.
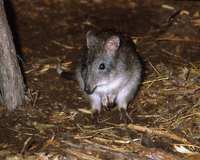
123, 115
122, 100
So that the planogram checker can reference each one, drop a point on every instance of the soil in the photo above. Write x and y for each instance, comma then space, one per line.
166, 34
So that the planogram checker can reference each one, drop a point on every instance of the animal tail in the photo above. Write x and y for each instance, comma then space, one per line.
67, 75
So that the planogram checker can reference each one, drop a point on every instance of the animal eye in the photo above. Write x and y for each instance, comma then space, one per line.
102, 66
85, 64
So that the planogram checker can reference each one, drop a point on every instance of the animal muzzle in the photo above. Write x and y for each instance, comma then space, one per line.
89, 89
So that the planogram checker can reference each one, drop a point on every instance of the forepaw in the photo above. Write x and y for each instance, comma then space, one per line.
111, 99
124, 116
104, 100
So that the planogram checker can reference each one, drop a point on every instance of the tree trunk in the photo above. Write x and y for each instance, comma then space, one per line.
12, 88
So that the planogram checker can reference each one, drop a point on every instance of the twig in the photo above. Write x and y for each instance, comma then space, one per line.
195, 106
100, 130
155, 80
170, 92
50, 140
36, 97
136, 37
100, 150
80, 128
100, 145
174, 15
65, 46
154, 68
111, 140
154, 131
150, 153
167, 52
82, 155
25, 144
193, 65
177, 39
180, 119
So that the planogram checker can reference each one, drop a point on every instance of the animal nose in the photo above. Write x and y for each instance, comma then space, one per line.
88, 89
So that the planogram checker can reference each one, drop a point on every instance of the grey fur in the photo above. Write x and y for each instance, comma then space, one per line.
118, 82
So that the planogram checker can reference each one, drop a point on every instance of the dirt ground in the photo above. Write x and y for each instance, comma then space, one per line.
56, 123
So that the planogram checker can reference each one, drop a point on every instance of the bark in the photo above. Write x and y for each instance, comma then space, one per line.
12, 88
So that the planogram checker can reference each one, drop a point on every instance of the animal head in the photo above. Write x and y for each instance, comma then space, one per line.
99, 62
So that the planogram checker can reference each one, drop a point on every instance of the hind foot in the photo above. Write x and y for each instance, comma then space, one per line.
124, 116
95, 118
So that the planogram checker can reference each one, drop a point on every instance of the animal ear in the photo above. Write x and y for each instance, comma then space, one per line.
112, 44
90, 37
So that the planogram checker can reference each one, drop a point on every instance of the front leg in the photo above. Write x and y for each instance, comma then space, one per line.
104, 100
95, 102
111, 98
